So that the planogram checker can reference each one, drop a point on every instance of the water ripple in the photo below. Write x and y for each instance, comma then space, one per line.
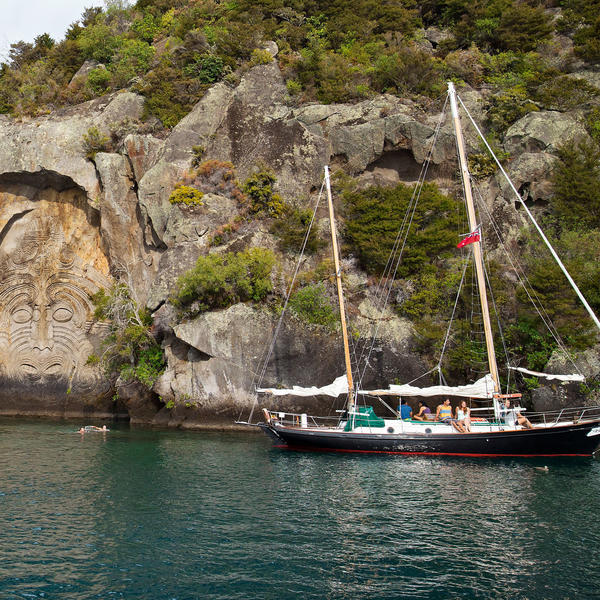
151, 514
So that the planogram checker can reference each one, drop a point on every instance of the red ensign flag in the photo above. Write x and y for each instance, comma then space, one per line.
469, 239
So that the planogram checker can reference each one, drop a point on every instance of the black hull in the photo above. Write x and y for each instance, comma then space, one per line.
563, 440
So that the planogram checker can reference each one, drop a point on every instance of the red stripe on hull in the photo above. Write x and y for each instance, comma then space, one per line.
406, 453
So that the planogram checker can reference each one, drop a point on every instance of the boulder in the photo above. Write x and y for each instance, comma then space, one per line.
530, 173
543, 131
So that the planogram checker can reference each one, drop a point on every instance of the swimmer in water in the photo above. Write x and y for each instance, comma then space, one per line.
89, 428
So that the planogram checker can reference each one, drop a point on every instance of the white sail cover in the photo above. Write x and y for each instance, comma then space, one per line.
339, 386
482, 388
573, 377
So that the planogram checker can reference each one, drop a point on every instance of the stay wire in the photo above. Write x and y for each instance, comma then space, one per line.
258, 378
388, 277
527, 286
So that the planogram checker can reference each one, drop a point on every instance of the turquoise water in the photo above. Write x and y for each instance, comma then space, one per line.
178, 515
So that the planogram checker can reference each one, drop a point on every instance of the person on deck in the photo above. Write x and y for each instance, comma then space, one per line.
463, 415
424, 413
444, 414
404, 410
512, 414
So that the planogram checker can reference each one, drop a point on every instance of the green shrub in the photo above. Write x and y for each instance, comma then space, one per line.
166, 95
482, 164
565, 92
184, 194
94, 141
131, 58
206, 68
260, 57
220, 280
508, 107
578, 248
313, 305
259, 189
592, 124
374, 216
130, 350
525, 338
98, 42
576, 183
98, 80
291, 227
294, 87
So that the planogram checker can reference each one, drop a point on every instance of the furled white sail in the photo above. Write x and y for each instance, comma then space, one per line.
573, 377
339, 386
482, 388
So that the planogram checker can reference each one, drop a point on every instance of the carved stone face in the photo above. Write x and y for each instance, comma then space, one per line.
51, 264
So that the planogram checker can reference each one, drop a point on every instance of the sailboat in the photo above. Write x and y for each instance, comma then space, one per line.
502, 432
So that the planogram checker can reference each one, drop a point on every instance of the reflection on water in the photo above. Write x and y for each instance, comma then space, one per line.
151, 514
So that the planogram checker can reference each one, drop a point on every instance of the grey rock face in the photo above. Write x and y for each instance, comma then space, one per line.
113, 217
543, 131
530, 173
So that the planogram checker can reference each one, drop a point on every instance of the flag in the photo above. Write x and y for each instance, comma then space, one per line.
469, 239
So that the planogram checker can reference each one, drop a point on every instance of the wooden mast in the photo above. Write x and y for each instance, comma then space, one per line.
489, 341
338, 279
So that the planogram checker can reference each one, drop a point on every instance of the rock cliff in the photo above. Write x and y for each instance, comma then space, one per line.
70, 225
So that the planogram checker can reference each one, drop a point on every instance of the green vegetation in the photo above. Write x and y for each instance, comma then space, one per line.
313, 305
576, 182
221, 280
184, 194
171, 51
93, 141
259, 190
129, 351
374, 216
291, 227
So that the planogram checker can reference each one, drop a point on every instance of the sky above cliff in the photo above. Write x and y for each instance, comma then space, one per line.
26, 19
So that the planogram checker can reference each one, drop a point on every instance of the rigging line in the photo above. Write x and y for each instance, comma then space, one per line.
436, 368
539, 230
255, 382
387, 277
416, 196
521, 275
424, 168
527, 287
466, 263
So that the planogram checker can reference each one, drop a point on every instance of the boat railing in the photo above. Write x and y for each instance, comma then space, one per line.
298, 419
564, 415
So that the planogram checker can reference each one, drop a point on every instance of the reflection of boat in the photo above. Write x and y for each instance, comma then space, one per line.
573, 431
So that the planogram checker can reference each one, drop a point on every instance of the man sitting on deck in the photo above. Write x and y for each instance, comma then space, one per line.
444, 414
404, 410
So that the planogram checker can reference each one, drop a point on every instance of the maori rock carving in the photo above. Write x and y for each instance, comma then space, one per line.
51, 263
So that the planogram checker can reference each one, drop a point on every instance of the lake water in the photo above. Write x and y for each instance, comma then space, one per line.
146, 514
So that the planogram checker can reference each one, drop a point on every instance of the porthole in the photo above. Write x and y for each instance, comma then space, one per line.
391, 430
427, 429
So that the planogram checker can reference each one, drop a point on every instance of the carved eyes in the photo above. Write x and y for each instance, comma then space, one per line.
25, 314
22, 315
62, 314
37, 371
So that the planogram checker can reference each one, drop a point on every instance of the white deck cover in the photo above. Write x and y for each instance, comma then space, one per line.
339, 386
482, 388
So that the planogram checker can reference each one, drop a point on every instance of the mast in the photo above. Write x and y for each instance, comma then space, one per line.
340, 292
477, 255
